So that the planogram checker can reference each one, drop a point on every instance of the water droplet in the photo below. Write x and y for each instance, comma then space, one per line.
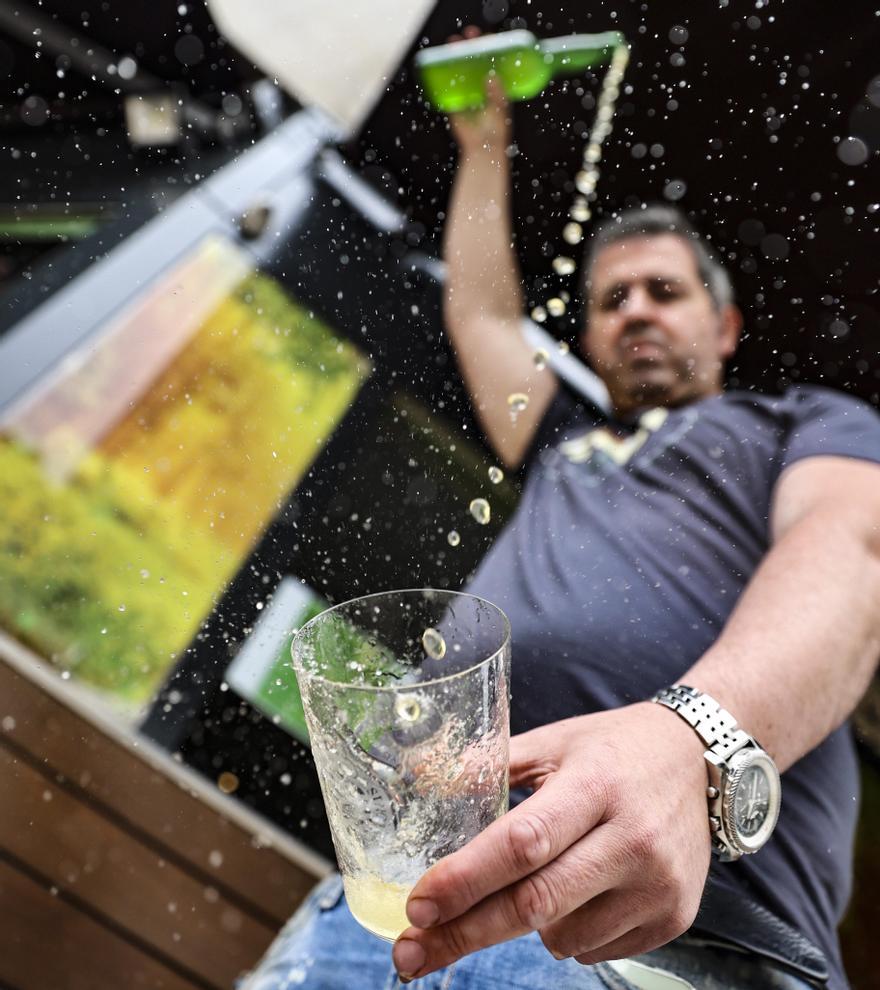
452, 538
540, 357
434, 644
496, 475
572, 233
555, 306
586, 181
675, 189
580, 211
517, 402
539, 314
227, 782
563, 347
563, 265
121, 608
408, 708
479, 509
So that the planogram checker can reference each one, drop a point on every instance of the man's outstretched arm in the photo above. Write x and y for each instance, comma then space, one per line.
802, 644
483, 301
609, 856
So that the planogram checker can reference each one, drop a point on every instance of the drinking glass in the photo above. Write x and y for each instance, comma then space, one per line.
406, 698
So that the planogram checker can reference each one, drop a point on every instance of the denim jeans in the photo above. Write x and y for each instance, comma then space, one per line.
322, 947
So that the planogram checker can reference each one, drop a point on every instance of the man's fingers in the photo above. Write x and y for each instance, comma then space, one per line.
599, 922
517, 844
533, 756
585, 870
630, 944
495, 92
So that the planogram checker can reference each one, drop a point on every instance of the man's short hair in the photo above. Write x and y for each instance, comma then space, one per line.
653, 220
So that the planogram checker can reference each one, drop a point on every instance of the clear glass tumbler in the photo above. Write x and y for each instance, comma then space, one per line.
406, 697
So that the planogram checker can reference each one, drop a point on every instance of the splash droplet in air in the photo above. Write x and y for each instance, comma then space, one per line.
479, 509
540, 358
563, 265
434, 644
408, 708
556, 306
539, 314
593, 153
580, 211
585, 181
496, 475
563, 347
227, 782
517, 402
452, 538
572, 233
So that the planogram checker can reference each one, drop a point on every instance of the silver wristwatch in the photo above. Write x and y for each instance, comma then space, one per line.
744, 789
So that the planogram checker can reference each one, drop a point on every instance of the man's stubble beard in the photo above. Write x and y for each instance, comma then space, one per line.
682, 387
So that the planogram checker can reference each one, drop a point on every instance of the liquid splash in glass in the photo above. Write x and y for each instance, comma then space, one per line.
408, 708
434, 644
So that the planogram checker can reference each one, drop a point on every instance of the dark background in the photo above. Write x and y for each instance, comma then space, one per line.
736, 112
760, 119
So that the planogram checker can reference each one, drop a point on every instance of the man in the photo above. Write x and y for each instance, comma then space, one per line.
729, 542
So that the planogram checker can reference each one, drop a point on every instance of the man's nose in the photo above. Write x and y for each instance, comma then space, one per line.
638, 304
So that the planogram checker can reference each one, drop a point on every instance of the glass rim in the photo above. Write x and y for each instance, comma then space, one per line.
505, 641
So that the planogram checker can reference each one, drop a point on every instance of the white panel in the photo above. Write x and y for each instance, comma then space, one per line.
337, 55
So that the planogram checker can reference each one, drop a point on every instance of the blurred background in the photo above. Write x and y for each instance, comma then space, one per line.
226, 399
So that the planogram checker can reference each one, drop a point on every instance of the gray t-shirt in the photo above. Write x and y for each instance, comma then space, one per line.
627, 553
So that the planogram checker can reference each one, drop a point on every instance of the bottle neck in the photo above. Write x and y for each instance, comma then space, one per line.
574, 53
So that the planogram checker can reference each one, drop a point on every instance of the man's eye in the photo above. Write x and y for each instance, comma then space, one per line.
664, 291
614, 300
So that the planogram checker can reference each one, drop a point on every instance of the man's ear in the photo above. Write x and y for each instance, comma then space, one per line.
729, 329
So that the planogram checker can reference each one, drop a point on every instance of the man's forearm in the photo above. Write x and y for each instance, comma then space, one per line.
483, 305
482, 272
800, 648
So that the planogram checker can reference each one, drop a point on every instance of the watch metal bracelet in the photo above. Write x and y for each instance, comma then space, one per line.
713, 724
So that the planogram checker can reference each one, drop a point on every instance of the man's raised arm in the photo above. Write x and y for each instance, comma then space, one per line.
483, 305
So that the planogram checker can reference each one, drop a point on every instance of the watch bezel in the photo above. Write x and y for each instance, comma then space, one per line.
740, 762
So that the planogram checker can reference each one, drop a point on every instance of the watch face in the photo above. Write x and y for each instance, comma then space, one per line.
751, 801
751, 805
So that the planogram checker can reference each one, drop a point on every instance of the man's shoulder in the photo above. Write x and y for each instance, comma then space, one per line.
798, 401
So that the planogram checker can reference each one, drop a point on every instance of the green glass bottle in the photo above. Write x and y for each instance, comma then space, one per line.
454, 75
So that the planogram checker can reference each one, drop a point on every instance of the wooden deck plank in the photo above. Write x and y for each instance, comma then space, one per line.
158, 797
77, 849
47, 944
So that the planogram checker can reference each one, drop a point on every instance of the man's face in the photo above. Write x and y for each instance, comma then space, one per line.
653, 333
